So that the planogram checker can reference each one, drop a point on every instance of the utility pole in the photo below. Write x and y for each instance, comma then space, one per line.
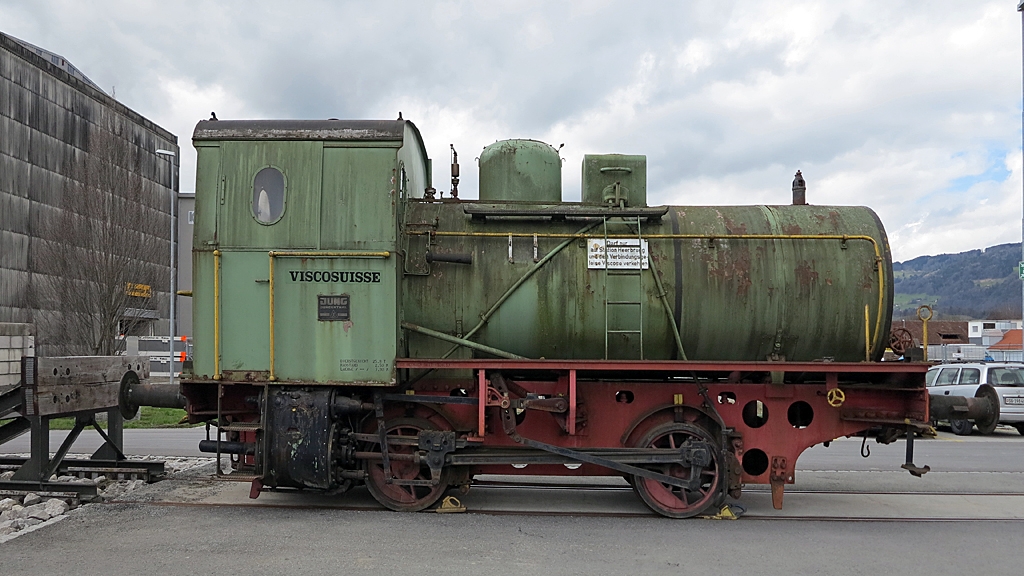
1020, 8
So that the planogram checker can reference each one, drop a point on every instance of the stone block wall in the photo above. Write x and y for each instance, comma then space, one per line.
16, 342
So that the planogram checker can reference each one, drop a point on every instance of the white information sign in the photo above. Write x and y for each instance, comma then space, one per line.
623, 254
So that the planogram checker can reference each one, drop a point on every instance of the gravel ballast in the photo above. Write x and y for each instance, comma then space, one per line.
26, 513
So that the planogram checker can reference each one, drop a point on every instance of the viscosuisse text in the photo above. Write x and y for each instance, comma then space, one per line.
333, 276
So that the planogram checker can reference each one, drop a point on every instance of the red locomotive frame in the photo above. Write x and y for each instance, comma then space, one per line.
574, 417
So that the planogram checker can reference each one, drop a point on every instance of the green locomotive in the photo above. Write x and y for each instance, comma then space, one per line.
351, 326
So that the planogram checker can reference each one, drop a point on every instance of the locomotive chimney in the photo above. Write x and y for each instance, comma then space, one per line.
799, 190
455, 172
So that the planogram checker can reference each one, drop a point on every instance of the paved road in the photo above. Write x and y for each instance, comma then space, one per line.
122, 540
195, 524
1000, 452
158, 442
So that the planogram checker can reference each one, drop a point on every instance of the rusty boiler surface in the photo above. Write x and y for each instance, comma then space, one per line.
733, 299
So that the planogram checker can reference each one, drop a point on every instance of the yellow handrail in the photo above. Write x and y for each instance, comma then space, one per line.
330, 254
273, 374
216, 314
842, 237
307, 254
867, 334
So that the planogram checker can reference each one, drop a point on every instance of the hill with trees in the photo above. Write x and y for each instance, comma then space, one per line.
977, 284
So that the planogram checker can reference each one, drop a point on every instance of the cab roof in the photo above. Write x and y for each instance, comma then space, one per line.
335, 130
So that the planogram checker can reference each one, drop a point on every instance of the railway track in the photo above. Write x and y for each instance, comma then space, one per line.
759, 490
550, 502
562, 513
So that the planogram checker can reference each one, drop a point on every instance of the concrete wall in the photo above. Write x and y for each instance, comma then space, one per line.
47, 119
1007, 355
957, 352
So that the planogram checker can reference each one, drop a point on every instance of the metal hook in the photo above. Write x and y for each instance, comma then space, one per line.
865, 450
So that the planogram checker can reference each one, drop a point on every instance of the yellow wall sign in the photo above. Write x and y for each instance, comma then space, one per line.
140, 290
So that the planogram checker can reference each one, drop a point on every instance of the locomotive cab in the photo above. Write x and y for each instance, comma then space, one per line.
295, 241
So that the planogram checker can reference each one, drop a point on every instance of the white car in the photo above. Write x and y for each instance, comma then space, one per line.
964, 380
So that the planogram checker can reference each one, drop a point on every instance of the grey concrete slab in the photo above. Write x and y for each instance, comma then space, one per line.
124, 539
892, 482
1000, 452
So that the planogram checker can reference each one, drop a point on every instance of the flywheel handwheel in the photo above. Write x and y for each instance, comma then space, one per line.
900, 340
675, 501
398, 496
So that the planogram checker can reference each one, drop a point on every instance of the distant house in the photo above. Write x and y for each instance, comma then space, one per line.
988, 332
1009, 348
999, 340
947, 341
938, 332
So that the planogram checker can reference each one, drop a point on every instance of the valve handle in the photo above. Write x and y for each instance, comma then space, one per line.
836, 397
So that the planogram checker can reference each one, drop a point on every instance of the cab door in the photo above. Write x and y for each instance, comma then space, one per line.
269, 200
336, 308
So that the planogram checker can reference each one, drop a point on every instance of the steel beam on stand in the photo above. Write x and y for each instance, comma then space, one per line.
147, 470
113, 439
39, 450
40, 466
10, 400
13, 429
79, 387
63, 490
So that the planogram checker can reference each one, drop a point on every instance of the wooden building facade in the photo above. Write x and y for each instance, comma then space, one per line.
51, 119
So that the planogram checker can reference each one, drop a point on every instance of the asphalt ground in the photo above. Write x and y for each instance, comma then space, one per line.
131, 539
844, 515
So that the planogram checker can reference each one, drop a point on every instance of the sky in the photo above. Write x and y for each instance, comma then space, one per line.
911, 108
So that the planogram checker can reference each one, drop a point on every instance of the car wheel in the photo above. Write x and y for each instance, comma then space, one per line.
961, 427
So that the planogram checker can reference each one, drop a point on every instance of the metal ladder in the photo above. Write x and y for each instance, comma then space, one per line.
245, 471
624, 273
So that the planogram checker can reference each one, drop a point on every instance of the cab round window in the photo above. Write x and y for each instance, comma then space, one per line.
268, 195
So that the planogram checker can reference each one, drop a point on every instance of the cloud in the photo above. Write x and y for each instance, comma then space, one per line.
185, 102
912, 110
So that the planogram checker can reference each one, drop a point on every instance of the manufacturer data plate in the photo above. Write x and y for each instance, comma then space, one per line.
333, 308
622, 254
1014, 399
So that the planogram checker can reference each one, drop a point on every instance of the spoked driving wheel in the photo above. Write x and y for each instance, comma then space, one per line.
676, 501
396, 495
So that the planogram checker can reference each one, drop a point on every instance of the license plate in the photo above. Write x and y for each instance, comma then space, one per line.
1014, 399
